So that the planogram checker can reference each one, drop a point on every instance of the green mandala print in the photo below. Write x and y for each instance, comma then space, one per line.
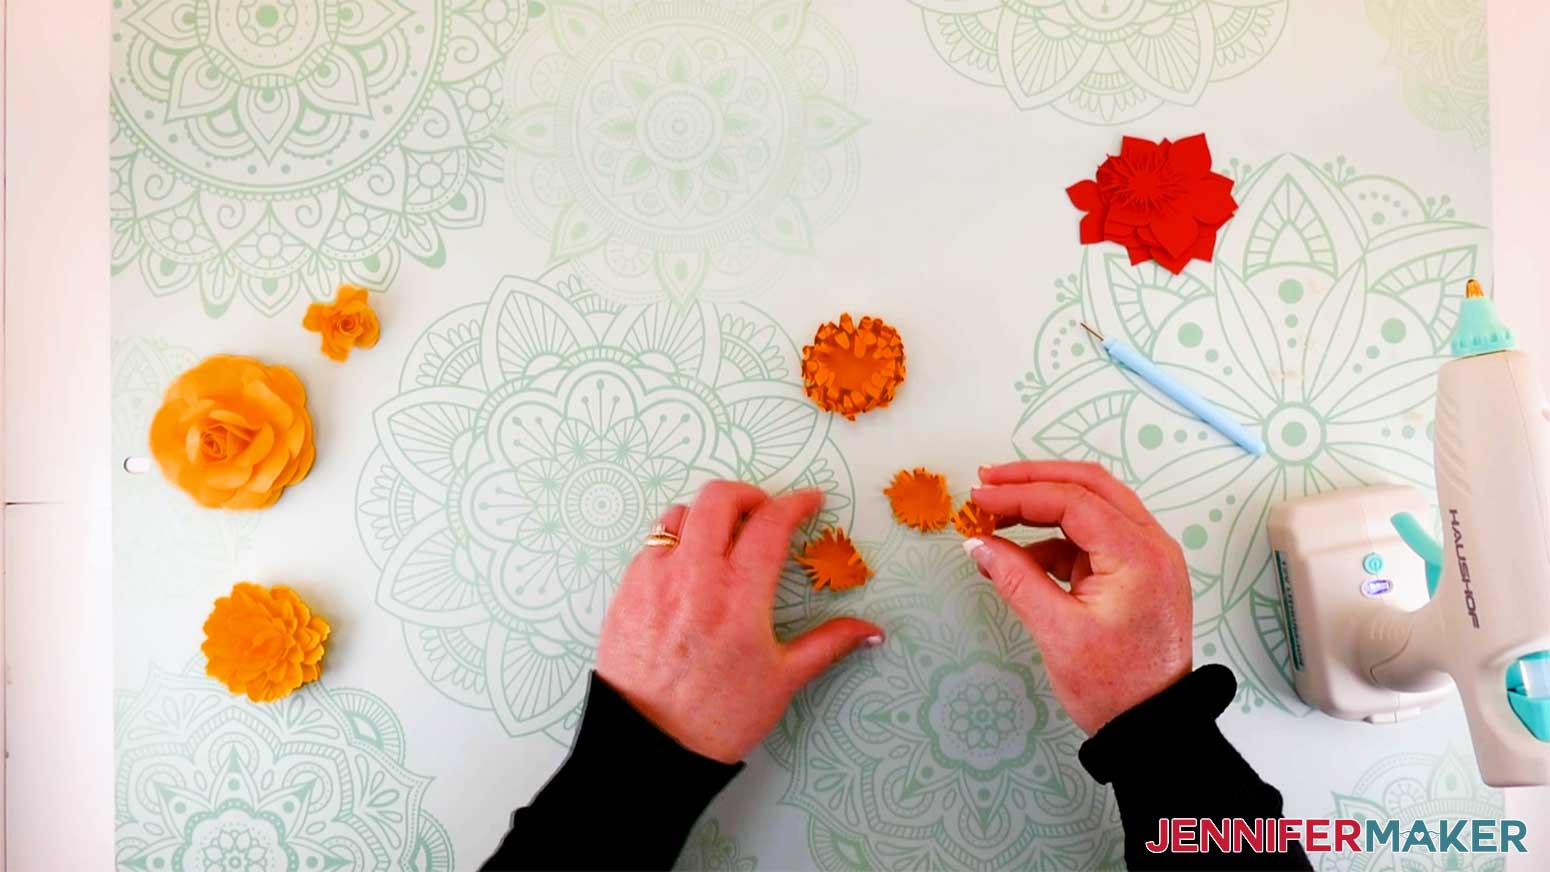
1410, 787
1102, 61
682, 149
1439, 47
273, 148
151, 518
711, 850
534, 441
946, 747
1320, 326
207, 780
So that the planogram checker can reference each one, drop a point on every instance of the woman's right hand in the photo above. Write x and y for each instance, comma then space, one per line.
1123, 633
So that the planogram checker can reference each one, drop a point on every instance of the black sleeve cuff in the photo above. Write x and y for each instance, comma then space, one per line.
626, 797
1165, 733
639, 760
1166, 758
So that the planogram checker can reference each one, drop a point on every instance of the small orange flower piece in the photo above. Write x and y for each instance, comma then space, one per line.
920, 499
263, 641
832, 560
348, 322
234, 432
973, 522
852, 368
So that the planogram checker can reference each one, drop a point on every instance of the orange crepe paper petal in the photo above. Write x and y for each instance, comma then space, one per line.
263, 641
853, 367
348, 322
919, 499
233, 432
831, 560
973, 522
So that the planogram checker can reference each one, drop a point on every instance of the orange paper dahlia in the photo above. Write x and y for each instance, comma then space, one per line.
233, 432
263, 641
973, 522
852, 368
919, 499
831, 560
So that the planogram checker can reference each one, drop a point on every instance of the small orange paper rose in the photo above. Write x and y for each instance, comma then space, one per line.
973, 522
263, 641
831, 560
348, 322
852, 368
234, 432
920, 499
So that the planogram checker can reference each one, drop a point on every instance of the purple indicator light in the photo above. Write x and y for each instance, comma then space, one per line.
1377, 586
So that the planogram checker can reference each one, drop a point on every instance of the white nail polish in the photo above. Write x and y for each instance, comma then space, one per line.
873, 641
972, 545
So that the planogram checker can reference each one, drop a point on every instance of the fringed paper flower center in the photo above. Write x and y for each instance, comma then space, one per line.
919, 499
831, 560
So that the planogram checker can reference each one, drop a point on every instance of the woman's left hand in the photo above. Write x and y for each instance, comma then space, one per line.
688, 639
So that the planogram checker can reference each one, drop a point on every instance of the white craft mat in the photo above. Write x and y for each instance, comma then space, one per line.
480, 163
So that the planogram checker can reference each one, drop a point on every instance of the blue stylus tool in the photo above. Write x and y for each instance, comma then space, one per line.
1176, 390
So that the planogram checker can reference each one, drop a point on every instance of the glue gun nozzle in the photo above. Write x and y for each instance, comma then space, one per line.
1096, 335
1472, 289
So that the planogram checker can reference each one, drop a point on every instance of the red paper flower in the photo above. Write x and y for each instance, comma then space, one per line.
1158, 199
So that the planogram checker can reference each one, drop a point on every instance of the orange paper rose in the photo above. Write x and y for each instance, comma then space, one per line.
234, 432
348, 322
263, 641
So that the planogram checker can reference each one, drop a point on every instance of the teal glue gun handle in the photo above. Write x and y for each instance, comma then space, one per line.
1180, 393
1530, 704
1425, 547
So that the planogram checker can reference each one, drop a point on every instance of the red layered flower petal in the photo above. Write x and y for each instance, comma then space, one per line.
1176, 231
1170, 262
1134, 148
1084, 195
1118, 231
1091, 229
1211, 201
1205, 245
1191, 156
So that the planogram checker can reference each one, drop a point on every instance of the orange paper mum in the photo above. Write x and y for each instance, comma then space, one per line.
348, 322
831, 560
263, 641
853, 368
920, 499
972, 522
234, 432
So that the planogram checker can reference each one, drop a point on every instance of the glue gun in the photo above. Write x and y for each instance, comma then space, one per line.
1381, 617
